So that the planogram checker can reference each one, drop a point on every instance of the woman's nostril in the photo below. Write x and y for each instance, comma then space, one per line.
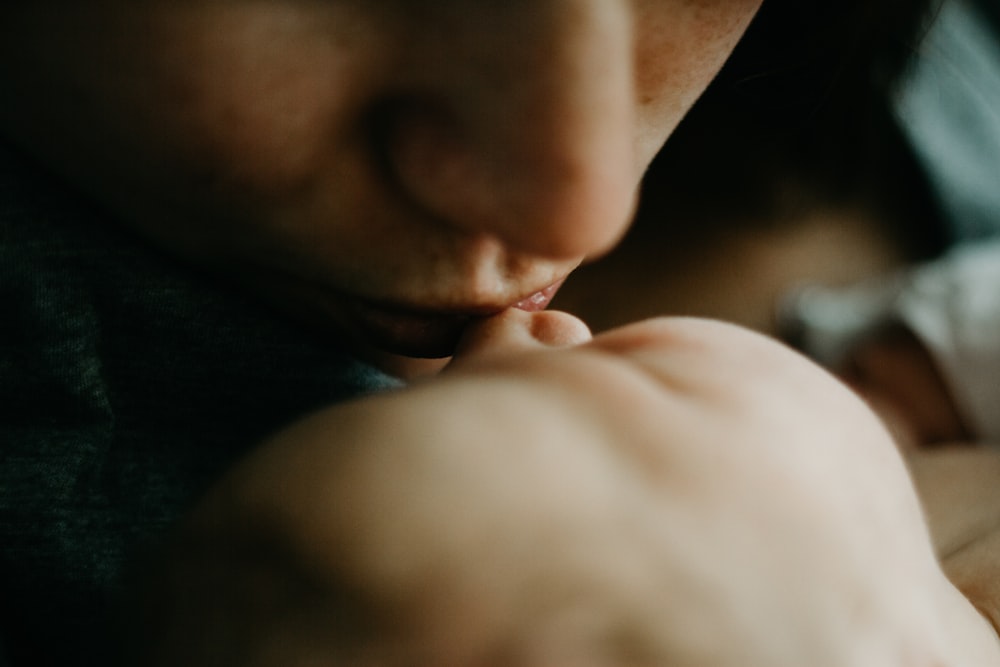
399, 127
425, 155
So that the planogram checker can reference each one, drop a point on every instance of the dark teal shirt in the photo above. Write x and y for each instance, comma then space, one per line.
128, 383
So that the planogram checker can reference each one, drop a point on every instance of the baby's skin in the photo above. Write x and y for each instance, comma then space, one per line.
675, 492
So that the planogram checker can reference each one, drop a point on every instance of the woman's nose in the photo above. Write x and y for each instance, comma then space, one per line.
518, 122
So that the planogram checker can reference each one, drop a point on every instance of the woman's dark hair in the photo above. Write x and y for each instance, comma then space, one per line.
801, 117
800, 55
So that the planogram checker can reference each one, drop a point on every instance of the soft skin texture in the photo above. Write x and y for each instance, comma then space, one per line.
695, 495
388, 168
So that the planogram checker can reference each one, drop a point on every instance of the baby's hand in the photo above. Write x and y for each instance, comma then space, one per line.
676, 492
898, 377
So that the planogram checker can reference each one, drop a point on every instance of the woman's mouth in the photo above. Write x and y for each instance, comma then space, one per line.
428, 333
539, 300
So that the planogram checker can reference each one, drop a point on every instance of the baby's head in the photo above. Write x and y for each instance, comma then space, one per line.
392, 168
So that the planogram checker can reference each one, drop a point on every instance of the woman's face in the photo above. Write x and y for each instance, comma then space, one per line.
394, 168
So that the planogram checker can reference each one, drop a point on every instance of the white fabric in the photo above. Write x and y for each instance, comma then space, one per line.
949, 108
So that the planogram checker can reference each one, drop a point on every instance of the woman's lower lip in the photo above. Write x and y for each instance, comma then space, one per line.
410, 334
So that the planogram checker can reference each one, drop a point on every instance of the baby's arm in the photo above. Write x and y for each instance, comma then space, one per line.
961, 494
675, 492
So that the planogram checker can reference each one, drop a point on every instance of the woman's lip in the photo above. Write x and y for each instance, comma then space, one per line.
411, 334
540, 299
431, 333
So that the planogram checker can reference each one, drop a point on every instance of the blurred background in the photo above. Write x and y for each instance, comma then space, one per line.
842, 141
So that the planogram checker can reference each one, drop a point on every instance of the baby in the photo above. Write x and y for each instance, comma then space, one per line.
678, 491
